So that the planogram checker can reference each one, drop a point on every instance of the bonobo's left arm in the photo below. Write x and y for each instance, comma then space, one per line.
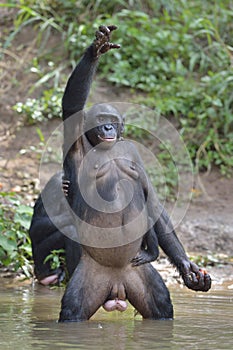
194, 278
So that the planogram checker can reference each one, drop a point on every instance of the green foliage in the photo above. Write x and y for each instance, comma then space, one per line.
41, 109
15, 247
165, 176
211, 260
56, 259
177, 53
184, 65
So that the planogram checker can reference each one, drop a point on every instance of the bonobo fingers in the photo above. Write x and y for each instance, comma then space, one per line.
107, 29
99, 35
112, 27
65, 186
102, 42
104, 29
141, 258
195, 278
204, 280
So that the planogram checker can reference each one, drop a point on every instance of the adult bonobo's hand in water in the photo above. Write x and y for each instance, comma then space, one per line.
194, 277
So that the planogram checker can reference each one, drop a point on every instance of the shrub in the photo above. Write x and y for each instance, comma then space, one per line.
178, 54
15, 247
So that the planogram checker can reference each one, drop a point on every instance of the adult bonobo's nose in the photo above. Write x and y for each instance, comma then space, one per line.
108, 127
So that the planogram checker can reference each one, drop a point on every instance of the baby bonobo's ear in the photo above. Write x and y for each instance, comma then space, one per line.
102, 42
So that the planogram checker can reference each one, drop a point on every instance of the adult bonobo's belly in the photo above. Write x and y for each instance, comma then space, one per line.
113, 239
116, 256
113, 215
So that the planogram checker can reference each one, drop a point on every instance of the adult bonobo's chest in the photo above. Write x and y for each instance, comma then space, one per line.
112, 208
111, 179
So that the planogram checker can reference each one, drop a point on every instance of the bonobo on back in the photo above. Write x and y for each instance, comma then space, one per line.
113, 211
118, 218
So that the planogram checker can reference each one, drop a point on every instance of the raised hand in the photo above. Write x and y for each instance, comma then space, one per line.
102, 42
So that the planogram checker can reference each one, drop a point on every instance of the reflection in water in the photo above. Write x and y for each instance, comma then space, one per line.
28, 321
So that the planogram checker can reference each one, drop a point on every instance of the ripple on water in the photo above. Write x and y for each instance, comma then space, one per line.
202, 321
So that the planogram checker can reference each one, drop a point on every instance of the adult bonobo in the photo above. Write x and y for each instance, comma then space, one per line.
115, 210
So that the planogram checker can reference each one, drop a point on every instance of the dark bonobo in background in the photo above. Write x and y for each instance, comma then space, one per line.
47, 232
118, 219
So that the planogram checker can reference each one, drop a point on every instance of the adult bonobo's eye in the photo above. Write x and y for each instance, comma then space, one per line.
114, 120
100, 120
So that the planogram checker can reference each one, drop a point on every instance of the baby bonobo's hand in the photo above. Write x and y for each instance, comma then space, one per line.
65, 186
102, 42
142, 258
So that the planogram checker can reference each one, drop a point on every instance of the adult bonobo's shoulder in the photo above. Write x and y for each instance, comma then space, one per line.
131, 150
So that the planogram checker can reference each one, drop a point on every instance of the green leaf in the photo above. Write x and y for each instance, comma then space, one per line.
7, 244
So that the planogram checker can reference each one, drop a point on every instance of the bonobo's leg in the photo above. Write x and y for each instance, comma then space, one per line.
147, 292
73, 252
86, 292
43, 271
55, 241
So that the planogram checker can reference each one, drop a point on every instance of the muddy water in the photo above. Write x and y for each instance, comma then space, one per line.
28, 321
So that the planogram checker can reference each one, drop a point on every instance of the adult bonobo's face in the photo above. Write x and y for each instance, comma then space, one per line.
103, 125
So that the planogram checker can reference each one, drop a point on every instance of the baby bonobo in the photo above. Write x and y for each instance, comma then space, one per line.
118, 218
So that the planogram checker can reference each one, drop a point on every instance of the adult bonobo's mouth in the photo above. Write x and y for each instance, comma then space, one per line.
107, 139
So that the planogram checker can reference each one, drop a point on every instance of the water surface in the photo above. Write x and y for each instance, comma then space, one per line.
28, 320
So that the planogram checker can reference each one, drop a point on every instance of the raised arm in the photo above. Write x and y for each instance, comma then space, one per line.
79, 83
